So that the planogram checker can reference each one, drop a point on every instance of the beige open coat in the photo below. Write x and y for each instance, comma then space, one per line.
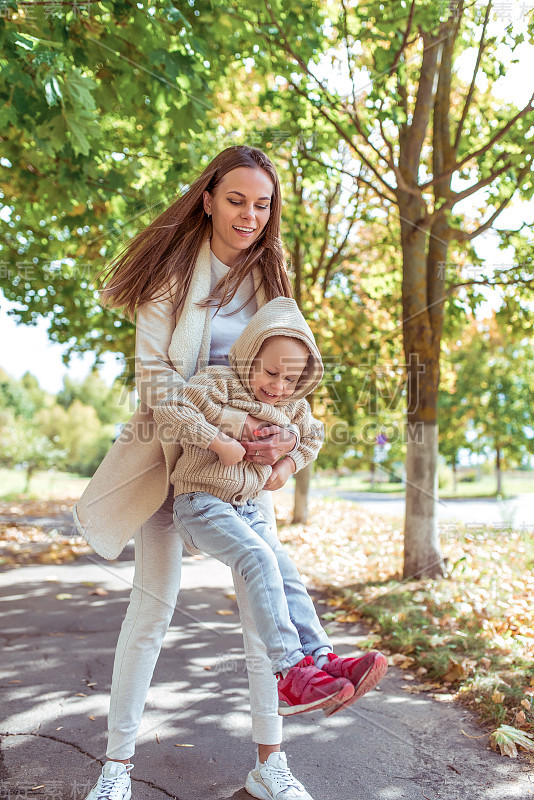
133, 480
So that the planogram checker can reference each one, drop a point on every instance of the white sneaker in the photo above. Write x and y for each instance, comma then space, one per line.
274, 781
113, 784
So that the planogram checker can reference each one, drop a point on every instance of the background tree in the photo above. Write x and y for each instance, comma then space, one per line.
72, 434
23, 444
97, 115
427, 141
493, 392
379, 77
111, 403
454, 408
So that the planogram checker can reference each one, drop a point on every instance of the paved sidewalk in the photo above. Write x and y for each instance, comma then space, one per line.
56, 668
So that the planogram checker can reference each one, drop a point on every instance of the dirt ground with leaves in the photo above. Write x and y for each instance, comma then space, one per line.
38, 532
467, 638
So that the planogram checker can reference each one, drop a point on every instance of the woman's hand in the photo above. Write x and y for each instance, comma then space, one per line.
280, 474
269, 445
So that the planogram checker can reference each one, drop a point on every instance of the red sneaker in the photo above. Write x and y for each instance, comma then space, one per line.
308, 688
364, 673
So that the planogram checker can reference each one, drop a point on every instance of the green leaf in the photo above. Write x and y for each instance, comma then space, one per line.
81, 126
26, 42
52, 90
50, 136
175, 15
8, 114
79, 89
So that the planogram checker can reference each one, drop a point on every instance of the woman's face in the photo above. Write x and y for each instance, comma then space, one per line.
240, 207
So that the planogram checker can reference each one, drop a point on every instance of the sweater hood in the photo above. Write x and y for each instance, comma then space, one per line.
278, 317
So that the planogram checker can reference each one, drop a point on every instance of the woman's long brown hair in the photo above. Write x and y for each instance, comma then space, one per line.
164, 254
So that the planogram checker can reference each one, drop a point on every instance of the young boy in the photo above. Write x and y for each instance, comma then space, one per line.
273, 365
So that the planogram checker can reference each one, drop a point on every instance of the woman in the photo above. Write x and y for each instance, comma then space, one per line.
215, 252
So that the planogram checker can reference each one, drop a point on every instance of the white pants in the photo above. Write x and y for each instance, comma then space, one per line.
158, 563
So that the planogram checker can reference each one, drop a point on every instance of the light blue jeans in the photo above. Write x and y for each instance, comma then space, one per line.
239, 536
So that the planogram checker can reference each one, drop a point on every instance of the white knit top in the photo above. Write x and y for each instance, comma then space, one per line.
224, 329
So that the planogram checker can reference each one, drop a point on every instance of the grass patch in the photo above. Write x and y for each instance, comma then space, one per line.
513, 484
469, 636
45, 485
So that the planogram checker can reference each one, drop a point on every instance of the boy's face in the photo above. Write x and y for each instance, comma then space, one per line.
275, 371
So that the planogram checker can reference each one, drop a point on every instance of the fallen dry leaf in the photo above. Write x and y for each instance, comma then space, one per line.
520, 718
457, 671
416, 688
443, 698
98, 591
353, 616
400, 660
184, 745
225, 612
507, 739
497, 696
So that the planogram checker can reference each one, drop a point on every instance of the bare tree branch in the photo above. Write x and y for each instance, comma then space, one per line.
338, 256
348, 52
331, 200
417, 131
528, 282
333, 102
464, 236
457, 196
483, 149
404, 38
345, 136
351, 175
470, 93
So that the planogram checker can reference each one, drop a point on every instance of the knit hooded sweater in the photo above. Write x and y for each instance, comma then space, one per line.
187, 415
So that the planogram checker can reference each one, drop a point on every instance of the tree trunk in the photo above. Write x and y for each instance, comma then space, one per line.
421, 338
302, 485
422, 556
29, 472
499, 471
424, 238
373, 474
454, 478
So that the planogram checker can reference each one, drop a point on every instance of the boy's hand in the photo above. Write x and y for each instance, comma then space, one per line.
280, 474
229, 450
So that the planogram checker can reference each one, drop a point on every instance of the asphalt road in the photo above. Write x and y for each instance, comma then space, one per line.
58, 642
484, 511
